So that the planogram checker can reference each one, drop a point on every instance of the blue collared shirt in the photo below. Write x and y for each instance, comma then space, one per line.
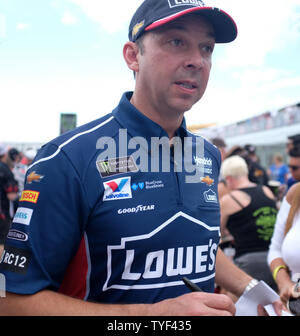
106, 216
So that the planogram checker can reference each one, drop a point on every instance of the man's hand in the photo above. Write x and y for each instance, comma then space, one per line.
278, 307
195, 304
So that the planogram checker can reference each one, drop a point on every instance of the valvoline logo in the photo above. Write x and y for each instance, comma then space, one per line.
117, 189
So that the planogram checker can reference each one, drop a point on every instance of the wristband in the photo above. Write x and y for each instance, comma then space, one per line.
275, 272
250, 285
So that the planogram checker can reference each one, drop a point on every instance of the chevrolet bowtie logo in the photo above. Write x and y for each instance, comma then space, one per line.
137, 27
207, 180
33, 177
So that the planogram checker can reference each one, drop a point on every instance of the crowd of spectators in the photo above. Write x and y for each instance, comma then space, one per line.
260, 214
13, 167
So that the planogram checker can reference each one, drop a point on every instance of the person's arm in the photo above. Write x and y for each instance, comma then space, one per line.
49, 303
268, 192
235, 280
225, 212
222, 189
283, 280
229, 276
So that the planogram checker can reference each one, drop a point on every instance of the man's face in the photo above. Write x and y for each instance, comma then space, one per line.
294, 164
175, 66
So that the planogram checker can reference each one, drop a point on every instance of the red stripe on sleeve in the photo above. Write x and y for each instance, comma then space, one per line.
74, 282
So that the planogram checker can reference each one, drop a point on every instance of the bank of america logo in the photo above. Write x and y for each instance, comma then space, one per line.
117, 189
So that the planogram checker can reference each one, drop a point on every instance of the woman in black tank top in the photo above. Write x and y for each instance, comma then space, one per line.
248, 212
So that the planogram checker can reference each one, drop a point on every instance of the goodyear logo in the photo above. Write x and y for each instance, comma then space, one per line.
29, 196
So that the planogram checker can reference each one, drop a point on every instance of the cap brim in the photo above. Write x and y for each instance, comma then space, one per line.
224, 26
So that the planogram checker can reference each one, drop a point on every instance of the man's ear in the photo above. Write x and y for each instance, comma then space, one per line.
130, 53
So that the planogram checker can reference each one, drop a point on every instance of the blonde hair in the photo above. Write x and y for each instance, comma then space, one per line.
234, 166
295, 207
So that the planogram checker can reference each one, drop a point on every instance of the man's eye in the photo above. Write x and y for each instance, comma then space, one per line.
209, 49
176, 42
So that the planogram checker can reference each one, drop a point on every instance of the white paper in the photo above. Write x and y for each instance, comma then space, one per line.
259, 294
270, 310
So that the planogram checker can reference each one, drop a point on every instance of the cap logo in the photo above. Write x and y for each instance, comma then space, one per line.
137, 28
196, 3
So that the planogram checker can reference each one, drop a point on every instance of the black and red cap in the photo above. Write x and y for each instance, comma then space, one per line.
155, 13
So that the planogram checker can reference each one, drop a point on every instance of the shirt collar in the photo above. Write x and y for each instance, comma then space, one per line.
138, 124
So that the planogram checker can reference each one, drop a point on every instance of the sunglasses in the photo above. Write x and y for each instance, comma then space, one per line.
292, 167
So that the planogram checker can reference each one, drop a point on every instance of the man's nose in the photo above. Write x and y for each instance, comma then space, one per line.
195, 61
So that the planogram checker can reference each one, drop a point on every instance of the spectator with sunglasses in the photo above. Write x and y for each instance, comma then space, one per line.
292, 141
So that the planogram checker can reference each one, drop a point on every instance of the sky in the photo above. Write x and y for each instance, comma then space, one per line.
65, 56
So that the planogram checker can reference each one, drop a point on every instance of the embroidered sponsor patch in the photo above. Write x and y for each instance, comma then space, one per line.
207, 180
15, 259
17, 235
29, 196
23, 216
147, 185
137, 28
116, 166
137, 209
210, 196
34, 177
117, 189
196, 3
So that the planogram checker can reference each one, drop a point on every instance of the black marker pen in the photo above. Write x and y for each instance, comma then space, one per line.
190, 285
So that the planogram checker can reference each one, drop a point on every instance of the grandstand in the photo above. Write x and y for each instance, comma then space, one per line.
22, 146
268, 131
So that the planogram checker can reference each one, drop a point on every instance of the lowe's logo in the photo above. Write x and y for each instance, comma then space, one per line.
196, 3
210, 196
117, 189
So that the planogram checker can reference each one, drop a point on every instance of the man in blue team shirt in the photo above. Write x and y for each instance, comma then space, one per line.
108, 222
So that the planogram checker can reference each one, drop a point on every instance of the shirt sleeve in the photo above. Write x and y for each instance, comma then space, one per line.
11, 185
48, 225
278, 235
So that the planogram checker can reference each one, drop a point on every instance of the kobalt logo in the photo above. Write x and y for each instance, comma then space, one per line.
139, 208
